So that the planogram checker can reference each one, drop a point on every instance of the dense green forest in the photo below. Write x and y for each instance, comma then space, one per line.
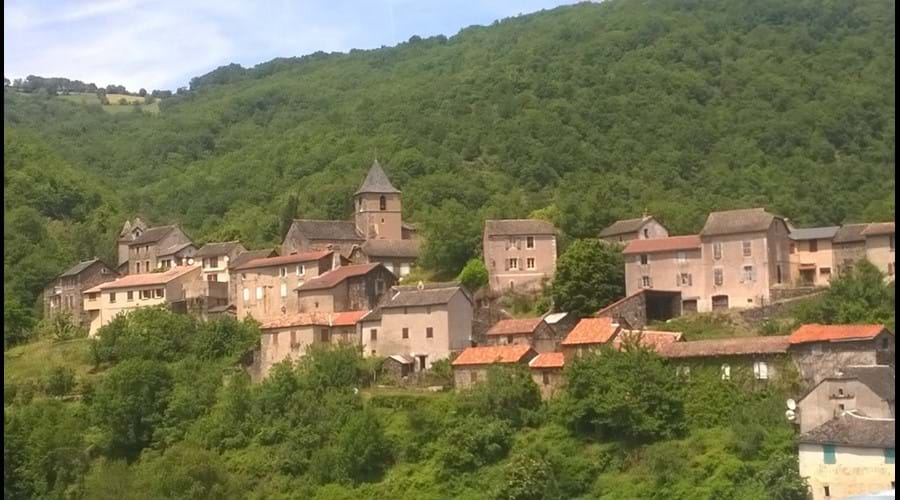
586, 114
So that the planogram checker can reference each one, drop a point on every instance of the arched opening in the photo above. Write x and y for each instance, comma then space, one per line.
382, 203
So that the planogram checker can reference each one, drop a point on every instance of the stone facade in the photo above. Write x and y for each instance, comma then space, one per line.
520, 255
644, 228
817, 360
357, 292
639, 309
833, 396
159, 248
265, 288
66, 292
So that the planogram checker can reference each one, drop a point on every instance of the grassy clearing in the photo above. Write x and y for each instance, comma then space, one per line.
114, 106
33, 361
81, 98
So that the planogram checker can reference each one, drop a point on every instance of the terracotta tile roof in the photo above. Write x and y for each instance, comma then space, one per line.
336, 276
147, 279
592, 331
879, 228
244, 257
737, 346
376, 182
515, 326
548, 360
850, 233
487, 355
218, 249
328, 229
282, 260
829, 333
346, 318
671, 244
518, 227
649, 338
852, 429
625, 226
391, 248
747, 220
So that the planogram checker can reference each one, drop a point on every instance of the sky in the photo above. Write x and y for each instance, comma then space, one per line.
162, 44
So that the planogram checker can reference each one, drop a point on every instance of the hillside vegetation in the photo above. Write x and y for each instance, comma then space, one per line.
585, 113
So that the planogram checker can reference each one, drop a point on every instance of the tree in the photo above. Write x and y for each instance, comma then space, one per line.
142, 92
60, 381
859, 295
474, 276
288, 214
589, 275
451, 235
782, 480
508, 394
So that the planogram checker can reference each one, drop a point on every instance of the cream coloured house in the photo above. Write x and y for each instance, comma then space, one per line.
812, 255
672, 263
880, 246
215, 259
520, 254
104, 302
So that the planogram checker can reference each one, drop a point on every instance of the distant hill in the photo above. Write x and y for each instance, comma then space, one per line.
593, 112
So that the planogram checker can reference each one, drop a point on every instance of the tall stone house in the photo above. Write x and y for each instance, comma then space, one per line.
812, 255
642, 228
421, 323
849, 246
65, 294
670, 263
345, 288
377, 216
534, 332
151, 249
823, 349
520, 254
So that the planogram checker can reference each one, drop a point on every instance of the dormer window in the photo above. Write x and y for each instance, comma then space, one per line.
646, 233
382, 203
359, 204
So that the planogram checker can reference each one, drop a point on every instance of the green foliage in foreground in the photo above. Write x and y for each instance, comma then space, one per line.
590, 275
161, 423
859, 296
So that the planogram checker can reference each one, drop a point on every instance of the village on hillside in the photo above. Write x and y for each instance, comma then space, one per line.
342, 281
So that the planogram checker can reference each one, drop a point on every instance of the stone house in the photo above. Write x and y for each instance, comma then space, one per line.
561, 323
880, 246
747, 254
161, 247
215, 260
472, 365
264, 287
643, 307
589, 334
870, 390
345, 288
423, 323
850, 454
520, 254
672, 263
821, 350
849, 246
104, 302
288, 337
399, 366
534, 332
643, 228
812, 255
130, 231
762, 358
66, 292
547, 372
398, 256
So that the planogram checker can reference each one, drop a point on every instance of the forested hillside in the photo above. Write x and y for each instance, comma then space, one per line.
588, 113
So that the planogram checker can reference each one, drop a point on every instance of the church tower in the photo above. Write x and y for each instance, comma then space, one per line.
377, 208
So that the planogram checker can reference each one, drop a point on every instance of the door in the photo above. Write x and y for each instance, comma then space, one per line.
689, 306
421, 359
719, 302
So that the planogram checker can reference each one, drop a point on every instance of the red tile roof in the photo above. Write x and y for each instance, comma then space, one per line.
592, 331
649, 338
281, 260
671, 244
346, 318
548, 360
736, 346
492, 354
146, 279
829, 333
515, 326
336, 276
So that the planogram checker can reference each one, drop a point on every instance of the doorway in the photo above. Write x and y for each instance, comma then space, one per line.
719, 302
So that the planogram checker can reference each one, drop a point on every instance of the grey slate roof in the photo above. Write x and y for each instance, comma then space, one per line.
879, 378
249, 255
377, 182
328, 229
79, 268
391, 248
851, 429
518, 227
174, 249
217, 249
745, 220
814, 233
152, 235
410, 296
624, 226
850, 233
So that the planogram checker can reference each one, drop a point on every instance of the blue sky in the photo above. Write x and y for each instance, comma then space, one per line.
162, 44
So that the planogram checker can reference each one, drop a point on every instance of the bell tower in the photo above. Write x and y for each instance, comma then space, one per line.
377, 208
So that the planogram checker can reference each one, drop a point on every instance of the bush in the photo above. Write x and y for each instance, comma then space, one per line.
60, 381
474, 275
60, 326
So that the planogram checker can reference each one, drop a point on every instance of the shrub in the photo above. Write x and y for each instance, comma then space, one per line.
60, 381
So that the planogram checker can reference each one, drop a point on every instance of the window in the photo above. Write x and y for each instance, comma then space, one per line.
827, 492
429, 332
793, 247
682, 257
284, 290
825, 271
513, 264
761, 370
718, 277
645, 259
685, 279
726, 372
646, 282
159, 293
259, 293
301, 269
405, 333
813, 245
112, 297
129, 295
147, 265
829, 455
379, 287
382, 203
212, 277
529, 262
146, 294
888, 455
885, 342
473, 377
246, 295
748, 274
717, 251
529, 242
323, 335
213, 262
509, 339
841, 407
282, 273
137, 268
747, 248
546, 378
646, 233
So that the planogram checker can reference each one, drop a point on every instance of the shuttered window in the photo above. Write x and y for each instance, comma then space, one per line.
829, 454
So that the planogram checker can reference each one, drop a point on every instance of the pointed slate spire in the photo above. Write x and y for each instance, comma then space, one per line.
376, 181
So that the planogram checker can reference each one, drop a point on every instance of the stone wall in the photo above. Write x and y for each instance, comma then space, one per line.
778, 294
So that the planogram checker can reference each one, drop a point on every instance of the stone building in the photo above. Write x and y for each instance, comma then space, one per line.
471, 366
821, 350
519, 254
534, 332
849, 246
643, 228
870, 390
589, 334
345, 288
880, 247
672, 263
812, 255
65, 294
398, 256
547, 372
215, 260
762, 358
156, 248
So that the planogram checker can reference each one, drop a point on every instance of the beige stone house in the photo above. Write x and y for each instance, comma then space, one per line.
852, 454
880, 246
265, 287
534, 332
65, 294
643, 228
215, 260
471, 366
672, 263
421, 324
156, 248
104, 302
547, 372
821, 350
589, 334
289, 336
849, 246
812, 255
869, 389
398, 256
345, 288
746, 254
520, 254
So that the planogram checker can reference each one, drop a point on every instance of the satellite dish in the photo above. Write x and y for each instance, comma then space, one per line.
190, 262
791, 404
791, 415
